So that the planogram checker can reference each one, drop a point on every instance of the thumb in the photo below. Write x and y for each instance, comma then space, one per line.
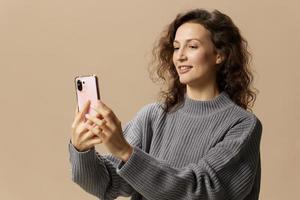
103, 105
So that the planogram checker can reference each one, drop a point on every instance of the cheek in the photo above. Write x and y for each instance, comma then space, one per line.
173, 58
202, 58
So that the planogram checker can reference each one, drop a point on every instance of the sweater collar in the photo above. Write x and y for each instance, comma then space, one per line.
198, 107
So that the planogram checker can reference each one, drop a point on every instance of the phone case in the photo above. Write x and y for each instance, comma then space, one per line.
87, 89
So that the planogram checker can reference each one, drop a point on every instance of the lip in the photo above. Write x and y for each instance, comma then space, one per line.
182, 71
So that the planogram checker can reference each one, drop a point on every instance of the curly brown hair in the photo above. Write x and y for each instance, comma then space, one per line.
233, 73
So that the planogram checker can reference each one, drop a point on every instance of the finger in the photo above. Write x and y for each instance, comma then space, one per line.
103, 105
98, 115
73, 123
112, 121
76, 110
75, 115
82, 133
80, 129
80, 115
110, 114
95, 120
94, 129
76, 132
104, 110
99, 131
87, 136
89, 122
106, 131
91, 143
108, 119
85, 109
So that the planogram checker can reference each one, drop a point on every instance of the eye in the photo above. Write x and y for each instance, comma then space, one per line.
193, 47
175, 48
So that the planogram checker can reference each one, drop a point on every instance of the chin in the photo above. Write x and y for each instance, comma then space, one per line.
190, 81
183, 80
187, 80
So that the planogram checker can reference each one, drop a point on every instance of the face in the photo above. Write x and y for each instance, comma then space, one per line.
194, 56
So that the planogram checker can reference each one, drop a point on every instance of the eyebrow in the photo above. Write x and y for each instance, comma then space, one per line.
175, 41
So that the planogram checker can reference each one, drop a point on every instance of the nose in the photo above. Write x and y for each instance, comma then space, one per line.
181, 55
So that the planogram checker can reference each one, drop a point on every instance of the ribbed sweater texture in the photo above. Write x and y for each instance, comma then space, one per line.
202, 150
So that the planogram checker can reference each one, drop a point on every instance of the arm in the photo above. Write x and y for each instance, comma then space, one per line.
226, 172
96, 174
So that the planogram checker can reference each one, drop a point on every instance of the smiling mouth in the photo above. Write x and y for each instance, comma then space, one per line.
184, 69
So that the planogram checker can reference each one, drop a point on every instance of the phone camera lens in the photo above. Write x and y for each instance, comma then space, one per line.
79, 85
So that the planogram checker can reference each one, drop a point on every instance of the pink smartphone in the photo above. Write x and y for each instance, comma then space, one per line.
87, 89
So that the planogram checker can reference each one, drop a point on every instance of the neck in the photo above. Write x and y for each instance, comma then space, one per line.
204, 107
202, 94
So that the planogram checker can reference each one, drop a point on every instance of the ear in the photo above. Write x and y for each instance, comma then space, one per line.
219, 58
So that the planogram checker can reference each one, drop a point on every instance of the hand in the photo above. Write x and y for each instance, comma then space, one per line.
110, 131
81, 137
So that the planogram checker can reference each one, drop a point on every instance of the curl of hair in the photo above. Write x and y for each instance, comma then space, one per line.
233, 73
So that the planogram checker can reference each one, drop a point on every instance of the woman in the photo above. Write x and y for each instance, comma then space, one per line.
201, 142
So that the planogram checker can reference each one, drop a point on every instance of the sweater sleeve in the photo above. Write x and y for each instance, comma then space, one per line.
96, 173
227, 171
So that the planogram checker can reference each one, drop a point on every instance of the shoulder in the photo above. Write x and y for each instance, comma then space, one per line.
151, 110
245, 119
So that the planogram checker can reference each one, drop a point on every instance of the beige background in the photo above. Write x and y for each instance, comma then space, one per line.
44, 44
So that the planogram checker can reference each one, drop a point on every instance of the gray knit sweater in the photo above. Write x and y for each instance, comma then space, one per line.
202, 150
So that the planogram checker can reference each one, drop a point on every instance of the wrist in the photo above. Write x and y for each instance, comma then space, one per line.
127, 153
